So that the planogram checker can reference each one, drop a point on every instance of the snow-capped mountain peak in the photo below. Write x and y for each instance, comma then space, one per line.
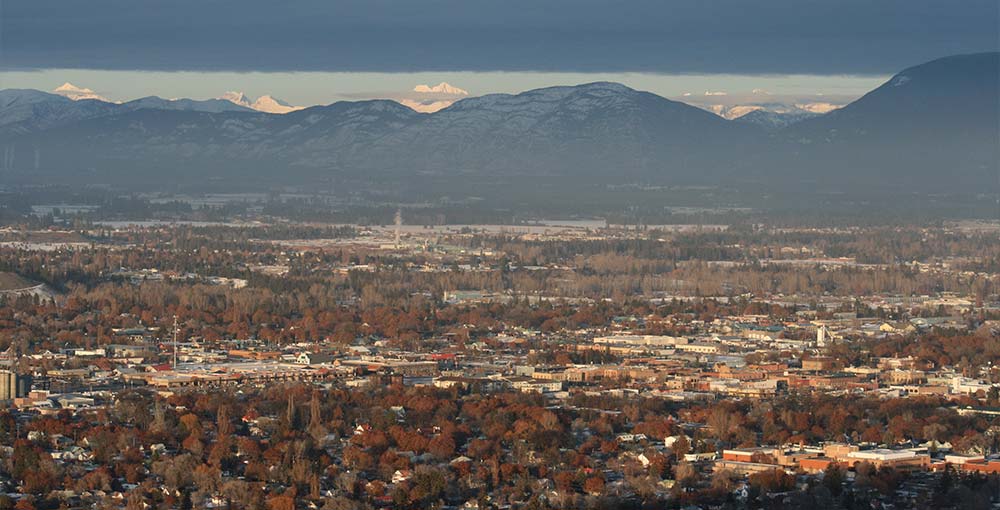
428, 99
270, 104
69, 88
440, 88
236, 98
732, 112
75, 93
818, 107
266, 103
771, 114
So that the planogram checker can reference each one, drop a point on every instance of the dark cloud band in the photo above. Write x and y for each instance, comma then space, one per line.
679, 36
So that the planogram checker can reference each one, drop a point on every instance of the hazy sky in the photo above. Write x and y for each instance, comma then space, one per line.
309, 88
318, 51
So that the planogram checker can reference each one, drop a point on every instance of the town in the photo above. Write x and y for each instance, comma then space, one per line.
545, 365
482, 255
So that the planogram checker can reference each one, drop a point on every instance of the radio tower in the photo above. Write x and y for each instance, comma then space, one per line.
175, 343
399, 223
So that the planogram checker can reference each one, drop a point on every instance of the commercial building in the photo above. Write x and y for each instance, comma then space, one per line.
13, 385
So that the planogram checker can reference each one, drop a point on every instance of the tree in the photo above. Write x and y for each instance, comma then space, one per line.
773, 480
341, 503
833, 478
177, 472
192, 424
685, 474
223, 424
428, 486
284, 501
316, 428
722, 481
442, 446
594, 485
27, 503
681, 447
723, 423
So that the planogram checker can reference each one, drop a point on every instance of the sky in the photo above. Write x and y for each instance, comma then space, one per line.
320, 51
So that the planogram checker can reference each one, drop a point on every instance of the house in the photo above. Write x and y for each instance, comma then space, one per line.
74, 453
216, 501
669, 441
631, 438
401, 475
698, 457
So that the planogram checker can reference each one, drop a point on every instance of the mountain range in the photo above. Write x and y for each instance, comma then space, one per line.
769, 114
75, 93
266, 104
428, 99
931, 125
